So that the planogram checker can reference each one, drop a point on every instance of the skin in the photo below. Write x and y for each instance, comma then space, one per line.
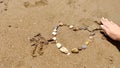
111, 29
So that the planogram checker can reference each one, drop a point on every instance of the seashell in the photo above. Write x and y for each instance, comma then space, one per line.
70, 26
83, 46
75, 50
54, 33
64, 50
58, 45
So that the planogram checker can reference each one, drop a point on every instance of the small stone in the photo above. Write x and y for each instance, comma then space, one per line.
92, 33
58, 45
56, 27
61, 24
83, 28
75, 29
71, 26
91, 37
54, 38
75, 50
83, 46
55, 30
54, 33
79, 48
87, 42
68, 53
53, 42
64, 50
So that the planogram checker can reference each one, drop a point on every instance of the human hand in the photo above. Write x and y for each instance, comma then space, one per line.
111, 29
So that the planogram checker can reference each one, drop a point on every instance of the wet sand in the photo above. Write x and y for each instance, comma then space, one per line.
20, 20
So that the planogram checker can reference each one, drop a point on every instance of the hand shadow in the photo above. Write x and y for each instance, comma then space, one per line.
115, 43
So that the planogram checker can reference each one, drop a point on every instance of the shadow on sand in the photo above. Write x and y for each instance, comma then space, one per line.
115, 43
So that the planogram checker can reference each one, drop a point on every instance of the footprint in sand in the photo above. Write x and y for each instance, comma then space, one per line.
3, 5
36, 3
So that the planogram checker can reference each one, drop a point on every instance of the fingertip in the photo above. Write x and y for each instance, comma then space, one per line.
102, 26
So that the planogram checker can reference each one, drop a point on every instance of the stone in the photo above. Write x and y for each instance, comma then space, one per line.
58, 45
56, 27
54, 33
71, 26
87, 42
54, 38
79, 48
92, 33
55, 30
75, 29
84, 46
75, 50
83, 28
64, 50
61, 24
91, 37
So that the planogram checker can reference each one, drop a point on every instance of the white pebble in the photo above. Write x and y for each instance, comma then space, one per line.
55, 30
58, 45
64, 50
54, 38
54, 33
68, 53
83, 46
71, 26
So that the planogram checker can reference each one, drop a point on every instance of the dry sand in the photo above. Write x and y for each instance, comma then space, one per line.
20, 20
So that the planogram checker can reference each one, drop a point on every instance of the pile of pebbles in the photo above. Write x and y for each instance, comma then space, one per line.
74, 50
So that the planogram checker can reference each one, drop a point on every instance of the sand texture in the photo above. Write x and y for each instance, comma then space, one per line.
21, 20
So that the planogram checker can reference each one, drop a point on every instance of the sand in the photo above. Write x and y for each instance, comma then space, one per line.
20, 20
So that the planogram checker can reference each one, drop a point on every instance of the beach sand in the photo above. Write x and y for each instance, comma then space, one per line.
20, 20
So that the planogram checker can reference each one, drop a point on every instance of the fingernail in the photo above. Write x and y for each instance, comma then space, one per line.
102, 26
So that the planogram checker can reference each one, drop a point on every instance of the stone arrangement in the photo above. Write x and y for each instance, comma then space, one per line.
39, 41
74, 50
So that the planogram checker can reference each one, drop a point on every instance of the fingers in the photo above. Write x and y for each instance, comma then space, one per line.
105, 22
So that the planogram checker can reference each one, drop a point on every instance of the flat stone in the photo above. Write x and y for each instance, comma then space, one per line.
75, 50
54, 33
58, 45
84, 46
71, 26
60, 24
83, 28
92, 33
64, 50
75, 29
